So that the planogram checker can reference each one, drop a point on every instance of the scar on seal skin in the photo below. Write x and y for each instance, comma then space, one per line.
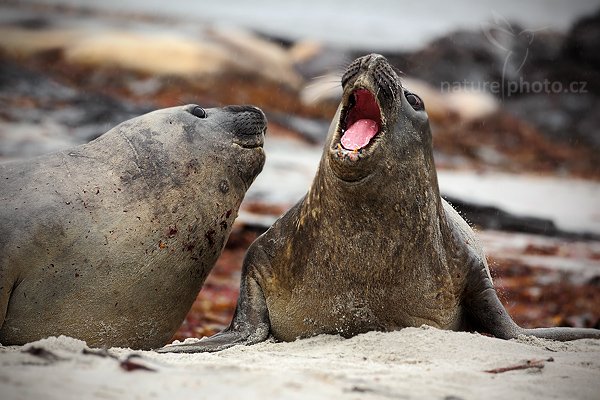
372, 245
111, 241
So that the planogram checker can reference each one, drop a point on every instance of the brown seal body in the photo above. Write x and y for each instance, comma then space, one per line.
372, 246
111, 241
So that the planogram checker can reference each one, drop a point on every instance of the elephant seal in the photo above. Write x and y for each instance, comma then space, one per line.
372, 245
110, 242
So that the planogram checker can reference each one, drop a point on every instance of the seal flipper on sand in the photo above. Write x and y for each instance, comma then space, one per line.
250, 324
486, 314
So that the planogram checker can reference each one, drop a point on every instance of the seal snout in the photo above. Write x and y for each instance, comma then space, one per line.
370, 103
375, 69
248, 125
370, 87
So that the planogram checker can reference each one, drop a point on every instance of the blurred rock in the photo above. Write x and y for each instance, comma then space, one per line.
314, 60
497, 57
462, 56
148, 53
211, 53
322, 68
312, 129
457, 104
22, 42
582, 41
572, 118
323, 91
39, 115
560, 206
156, 63
546, 78
24, 140
252, 54
511, 144
494, 218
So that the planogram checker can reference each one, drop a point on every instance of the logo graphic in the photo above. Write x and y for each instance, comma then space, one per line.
513, 46
514, 43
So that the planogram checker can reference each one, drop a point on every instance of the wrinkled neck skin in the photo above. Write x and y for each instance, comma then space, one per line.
400, 191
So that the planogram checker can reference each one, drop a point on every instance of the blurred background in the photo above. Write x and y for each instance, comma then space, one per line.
512, 90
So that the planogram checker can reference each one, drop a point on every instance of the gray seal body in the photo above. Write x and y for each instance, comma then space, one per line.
372, 245
111, 241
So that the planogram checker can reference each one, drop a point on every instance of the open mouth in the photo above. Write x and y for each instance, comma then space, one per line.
361, 121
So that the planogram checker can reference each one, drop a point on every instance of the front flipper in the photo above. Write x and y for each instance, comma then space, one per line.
220, 341
250, 324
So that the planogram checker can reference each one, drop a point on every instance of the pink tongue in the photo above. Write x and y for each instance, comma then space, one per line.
359, 134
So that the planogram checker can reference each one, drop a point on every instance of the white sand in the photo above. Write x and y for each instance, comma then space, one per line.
414, 363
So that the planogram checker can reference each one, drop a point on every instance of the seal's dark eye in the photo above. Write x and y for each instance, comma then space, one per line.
199, 112
415, 101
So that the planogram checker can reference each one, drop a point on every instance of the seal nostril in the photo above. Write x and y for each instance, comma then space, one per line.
199, 112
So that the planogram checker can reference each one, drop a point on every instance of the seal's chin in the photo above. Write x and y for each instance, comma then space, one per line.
360, 126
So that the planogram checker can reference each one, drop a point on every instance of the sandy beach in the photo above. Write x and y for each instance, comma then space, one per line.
72, 69
413, 363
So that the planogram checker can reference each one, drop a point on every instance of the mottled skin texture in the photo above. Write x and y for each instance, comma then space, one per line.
111, 241
372, 246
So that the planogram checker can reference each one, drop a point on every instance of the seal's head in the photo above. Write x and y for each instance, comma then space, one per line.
198, 148
235, 133
379, 125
